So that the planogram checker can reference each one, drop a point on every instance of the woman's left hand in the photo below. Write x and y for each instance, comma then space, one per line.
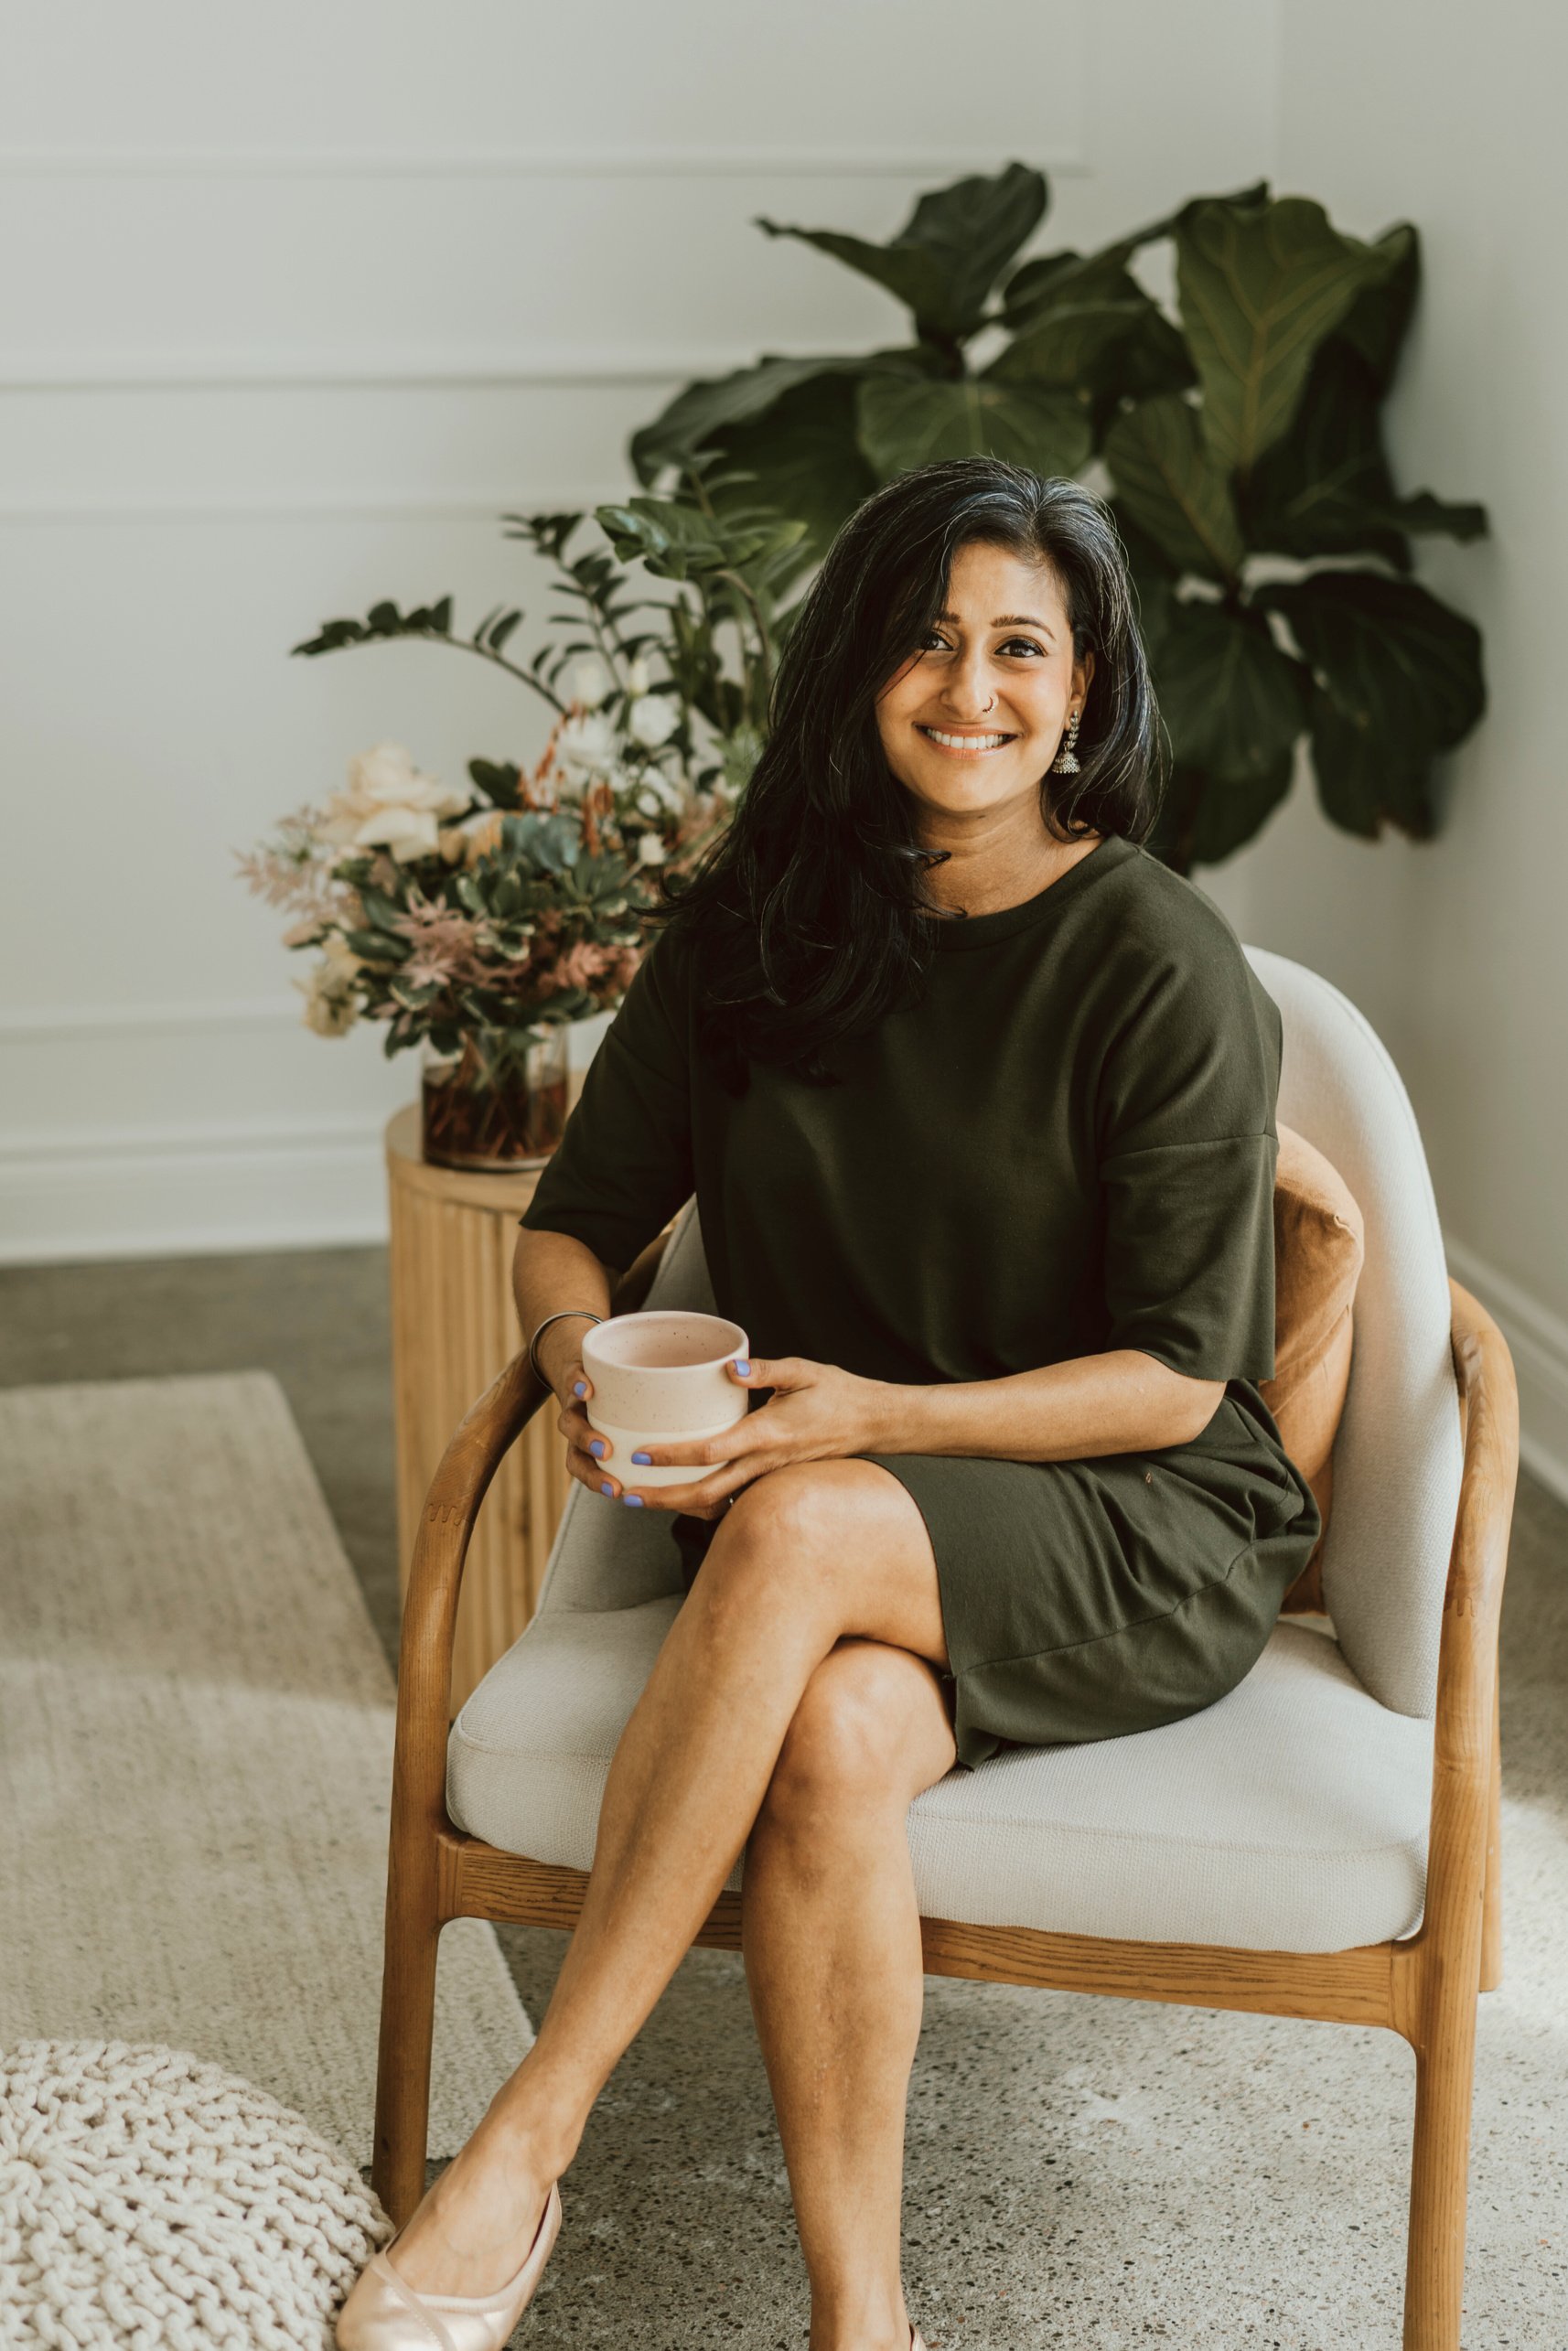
816, 1413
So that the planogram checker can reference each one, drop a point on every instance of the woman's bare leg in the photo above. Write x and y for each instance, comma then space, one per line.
832, 1934
806, 1555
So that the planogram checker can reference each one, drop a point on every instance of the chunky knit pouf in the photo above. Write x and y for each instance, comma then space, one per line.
152, 2202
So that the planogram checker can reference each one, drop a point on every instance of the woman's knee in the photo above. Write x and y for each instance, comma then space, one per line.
798, 1511
777, 1538
848, 1747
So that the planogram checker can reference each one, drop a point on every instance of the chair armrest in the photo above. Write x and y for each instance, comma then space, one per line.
483, 1437
1464, 1729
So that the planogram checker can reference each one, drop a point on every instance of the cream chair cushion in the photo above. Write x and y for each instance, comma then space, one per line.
1290, 1817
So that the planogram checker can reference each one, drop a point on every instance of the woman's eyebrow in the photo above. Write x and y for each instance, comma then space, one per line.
1007, 621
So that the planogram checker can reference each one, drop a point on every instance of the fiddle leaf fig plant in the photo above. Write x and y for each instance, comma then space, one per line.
1236, 427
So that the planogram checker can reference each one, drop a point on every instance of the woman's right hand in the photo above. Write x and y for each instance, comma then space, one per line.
587, 1452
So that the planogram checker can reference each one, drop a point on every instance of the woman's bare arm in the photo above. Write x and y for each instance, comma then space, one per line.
549, 1271
1123, 1401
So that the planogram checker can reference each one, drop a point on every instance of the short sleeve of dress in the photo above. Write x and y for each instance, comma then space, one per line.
624, 1164
1187, 1149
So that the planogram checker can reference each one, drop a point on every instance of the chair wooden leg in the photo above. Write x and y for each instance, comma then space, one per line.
1440, 2167
1492, 1913
408, 2024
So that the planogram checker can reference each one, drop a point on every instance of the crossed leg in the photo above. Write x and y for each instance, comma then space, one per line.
809, 1557
831, 1935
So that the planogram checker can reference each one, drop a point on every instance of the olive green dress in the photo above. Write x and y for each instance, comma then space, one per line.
1066, 1145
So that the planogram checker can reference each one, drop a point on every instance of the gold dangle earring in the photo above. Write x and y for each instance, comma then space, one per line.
1064, 764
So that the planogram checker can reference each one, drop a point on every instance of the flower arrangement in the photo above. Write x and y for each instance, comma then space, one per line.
478, 920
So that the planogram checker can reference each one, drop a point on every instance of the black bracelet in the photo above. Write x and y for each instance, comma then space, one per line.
560, 1314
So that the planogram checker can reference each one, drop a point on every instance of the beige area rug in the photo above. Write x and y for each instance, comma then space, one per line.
196, 1730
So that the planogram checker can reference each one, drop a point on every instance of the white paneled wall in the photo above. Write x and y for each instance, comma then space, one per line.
297, 299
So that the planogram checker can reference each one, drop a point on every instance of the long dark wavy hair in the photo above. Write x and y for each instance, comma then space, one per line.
809, 918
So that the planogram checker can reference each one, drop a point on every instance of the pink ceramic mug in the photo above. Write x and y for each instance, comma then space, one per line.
659, 1377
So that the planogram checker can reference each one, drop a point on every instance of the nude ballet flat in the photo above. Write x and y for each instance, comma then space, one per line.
384, 2313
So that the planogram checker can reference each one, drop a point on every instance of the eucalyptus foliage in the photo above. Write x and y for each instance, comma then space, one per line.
1237, 430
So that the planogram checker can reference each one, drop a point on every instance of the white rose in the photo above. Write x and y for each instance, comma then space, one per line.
588, 744
591, 682
651, 850
385, 784
388, 776
406, 831
652, 719
638, 676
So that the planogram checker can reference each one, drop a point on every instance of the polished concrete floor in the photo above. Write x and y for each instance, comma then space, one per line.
1079, 2173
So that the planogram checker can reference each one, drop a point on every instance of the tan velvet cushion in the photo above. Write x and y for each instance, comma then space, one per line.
1319, 1242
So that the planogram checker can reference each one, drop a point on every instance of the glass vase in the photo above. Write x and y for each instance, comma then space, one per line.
500, 1103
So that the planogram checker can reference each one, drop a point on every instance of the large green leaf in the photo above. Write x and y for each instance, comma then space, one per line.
1232, 810
1029, 288
1365, 781
804, 460
1376, 321
706, 408
1326, 487
906, 423
1398, 679
1390, 657
949, 253
1203, 818
1168, 483
1259, 291
1233, 703
1091, 326
1030, 291
1426, 514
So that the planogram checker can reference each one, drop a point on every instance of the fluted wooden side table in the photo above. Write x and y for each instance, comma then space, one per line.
454, 1327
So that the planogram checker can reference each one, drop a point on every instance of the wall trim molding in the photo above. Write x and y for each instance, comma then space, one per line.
70, 1150
173, 1192
506, 366
1537, 1341
435, 506
510, 162
50, 1023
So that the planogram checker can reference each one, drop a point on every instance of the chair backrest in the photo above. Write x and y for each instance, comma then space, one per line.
1397, 1459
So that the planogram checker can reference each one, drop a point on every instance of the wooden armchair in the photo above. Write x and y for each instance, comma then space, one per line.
1224, 1907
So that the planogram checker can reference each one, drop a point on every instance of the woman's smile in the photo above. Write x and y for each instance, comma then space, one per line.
964, 743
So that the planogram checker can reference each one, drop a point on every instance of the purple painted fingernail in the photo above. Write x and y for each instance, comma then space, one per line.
742, 1366
606, 1488
643, 1456
632, 1501
596, 1447
579, 1388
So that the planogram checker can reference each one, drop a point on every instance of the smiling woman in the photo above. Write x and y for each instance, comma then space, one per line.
977, 1101
964, 601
